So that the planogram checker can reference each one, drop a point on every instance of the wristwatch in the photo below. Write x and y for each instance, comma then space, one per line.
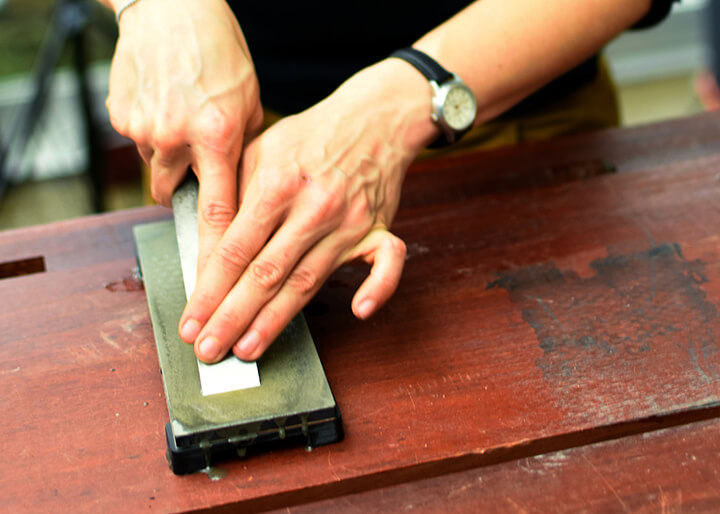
453, 103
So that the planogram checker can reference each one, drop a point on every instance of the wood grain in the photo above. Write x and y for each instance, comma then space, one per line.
672, 470
554, 295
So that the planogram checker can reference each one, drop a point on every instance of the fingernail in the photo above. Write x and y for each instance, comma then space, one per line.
210, 348
248, 343
190, 330
366, 308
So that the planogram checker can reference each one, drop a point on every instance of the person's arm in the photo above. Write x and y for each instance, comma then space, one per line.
321, 188
506, 50
183, 88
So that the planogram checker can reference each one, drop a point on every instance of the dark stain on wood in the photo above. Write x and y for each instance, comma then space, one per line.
629, 304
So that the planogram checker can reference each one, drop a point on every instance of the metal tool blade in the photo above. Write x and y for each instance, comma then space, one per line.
230, 374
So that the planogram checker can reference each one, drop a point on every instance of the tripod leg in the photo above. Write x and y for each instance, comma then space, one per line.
92, 137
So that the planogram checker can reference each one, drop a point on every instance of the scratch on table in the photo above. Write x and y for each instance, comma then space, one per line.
459, 489
645, 230
549, 311
331, 467
109, 340
373, 414
517, 507
411, 400
8, 371
607, 483
525, 466
667, 502
663, 500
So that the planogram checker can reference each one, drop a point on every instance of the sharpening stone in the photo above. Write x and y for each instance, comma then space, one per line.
293, 404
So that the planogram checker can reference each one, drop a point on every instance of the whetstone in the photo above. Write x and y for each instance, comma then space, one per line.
294, 400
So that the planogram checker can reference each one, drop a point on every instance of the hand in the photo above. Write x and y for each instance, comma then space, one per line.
183, 87
318, 189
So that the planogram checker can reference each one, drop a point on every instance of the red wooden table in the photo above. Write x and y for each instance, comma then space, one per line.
553, 345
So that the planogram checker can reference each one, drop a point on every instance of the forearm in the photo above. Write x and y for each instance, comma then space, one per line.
506, 50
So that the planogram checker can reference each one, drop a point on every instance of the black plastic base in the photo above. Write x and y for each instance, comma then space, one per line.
295, 432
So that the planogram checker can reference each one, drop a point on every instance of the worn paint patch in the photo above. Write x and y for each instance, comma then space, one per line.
631, 305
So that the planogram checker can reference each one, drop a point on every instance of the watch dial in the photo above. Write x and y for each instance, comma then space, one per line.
459, 108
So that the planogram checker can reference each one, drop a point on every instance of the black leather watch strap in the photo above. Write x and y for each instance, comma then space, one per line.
424, 63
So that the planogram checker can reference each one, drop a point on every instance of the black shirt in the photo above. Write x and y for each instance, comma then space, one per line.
304, 50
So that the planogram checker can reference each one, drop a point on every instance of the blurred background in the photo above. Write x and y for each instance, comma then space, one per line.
61, 159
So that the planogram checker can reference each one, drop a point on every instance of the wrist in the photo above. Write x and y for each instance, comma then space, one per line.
400, 86
130, 10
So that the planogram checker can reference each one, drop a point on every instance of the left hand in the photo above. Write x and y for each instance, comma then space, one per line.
318, 189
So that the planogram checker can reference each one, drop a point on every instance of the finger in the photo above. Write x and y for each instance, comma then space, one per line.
255, 124
316, 211
265, 275
169, 168
382, 249
247, 167
301, 285
146, 153
217, 199
257, 218
386, 253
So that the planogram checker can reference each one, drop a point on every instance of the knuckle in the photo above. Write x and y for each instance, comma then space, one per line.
166, 141
136, 130
267, 204
233, 255
217, 128
228, 316
111, 102
331, 202
327, 205
397, 246
266, 274
359, 215
304, 281
276, 190
217, 214
118, 118
206, 300
272, 321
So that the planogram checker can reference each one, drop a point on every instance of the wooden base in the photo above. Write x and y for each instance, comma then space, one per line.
555, 295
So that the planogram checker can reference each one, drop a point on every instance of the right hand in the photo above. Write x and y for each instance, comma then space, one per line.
184, 89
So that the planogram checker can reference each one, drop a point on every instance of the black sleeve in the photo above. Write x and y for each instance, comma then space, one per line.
659, 9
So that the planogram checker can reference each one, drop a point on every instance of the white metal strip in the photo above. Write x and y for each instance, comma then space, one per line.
230, 374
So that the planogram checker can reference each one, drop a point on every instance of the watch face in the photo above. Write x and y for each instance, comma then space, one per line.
459, 108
